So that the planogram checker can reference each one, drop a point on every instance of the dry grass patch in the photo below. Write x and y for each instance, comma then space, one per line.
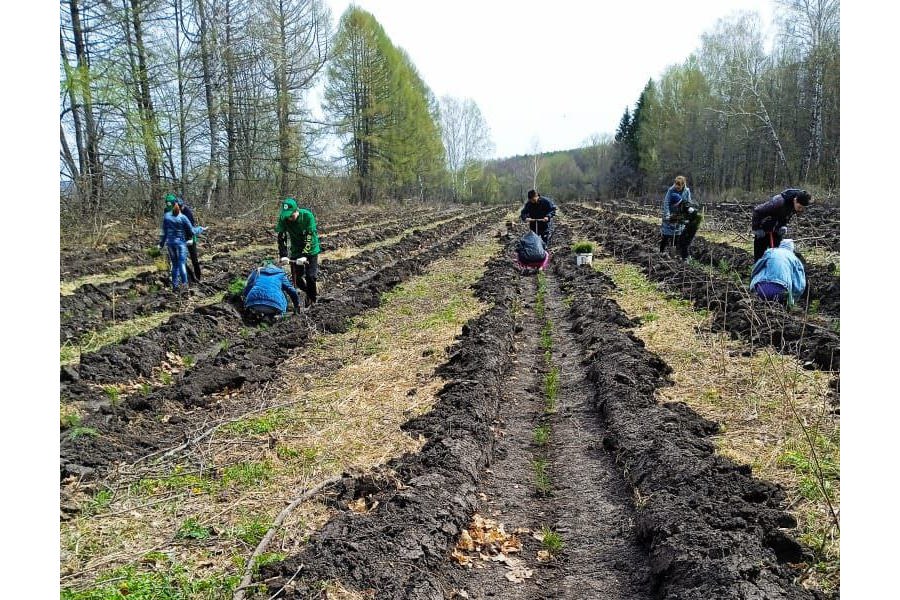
775, 416
207, 513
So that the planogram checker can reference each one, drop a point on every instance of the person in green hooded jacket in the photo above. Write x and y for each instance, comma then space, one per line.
299, 224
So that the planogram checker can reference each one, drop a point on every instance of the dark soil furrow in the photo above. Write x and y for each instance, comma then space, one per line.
713, 531
133, 429
141, 354
588, 504
221, 236
429, 496
818, 227
757, 322
824, 288
101, 305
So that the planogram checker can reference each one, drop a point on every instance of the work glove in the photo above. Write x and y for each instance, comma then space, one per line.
160, 246
758, 233
190, 242
285, 260
302, 260
782, 231
691, 210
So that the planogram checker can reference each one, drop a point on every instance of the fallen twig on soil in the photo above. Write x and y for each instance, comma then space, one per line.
210, 431
264, 543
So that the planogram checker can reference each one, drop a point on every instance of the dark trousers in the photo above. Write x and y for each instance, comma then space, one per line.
681, 241
544, 230
760, 245
194, 272
309, 271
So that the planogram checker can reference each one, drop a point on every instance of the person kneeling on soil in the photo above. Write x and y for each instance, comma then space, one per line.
779, 275
530, 249
264, 294
176, 230
300, 225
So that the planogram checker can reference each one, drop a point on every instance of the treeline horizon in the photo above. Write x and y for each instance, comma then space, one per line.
210, 99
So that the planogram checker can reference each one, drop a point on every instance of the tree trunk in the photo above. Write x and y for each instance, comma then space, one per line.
207, 47
94, 167
145, 103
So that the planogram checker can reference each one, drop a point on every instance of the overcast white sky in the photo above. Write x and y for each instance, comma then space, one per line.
551, 72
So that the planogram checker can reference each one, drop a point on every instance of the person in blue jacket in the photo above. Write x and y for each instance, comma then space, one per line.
770, 219
538, 213
193, 273
680, 218
264, 293
176, 230
779, 275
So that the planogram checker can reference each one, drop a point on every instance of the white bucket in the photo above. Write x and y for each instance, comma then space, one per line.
584, 259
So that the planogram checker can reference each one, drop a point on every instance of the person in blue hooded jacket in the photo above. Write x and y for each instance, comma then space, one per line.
680, 218
176, 230
264, 293
194, 272
779, 275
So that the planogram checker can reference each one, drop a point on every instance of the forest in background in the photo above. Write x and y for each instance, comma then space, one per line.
213, 100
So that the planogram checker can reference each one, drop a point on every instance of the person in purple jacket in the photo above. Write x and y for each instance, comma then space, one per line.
770, 219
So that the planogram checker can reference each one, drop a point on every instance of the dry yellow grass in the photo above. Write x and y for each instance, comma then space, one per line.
774, 414
245, 473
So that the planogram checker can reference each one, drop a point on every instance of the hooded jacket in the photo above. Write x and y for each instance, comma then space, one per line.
303, 233
530, 249
175, 229
776, 212
672, 205
780, 265
266, 286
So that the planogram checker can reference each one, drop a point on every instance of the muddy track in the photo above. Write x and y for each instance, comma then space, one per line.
425, 499
733, 310
823, 286
712, 530
132, 252
589, 504
134, 429
704, 528
95, 306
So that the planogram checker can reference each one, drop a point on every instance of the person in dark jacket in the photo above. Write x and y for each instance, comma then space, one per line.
264, 293
770, 219
681, 218
538, 213
779, 275
299, 224
530, 249
193, 273
176, 230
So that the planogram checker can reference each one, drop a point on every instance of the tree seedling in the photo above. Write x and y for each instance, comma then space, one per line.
583, 248
542, 435
551, 541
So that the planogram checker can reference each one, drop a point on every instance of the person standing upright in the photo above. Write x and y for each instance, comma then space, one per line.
770, 219
176, 230
194, 273
299, 224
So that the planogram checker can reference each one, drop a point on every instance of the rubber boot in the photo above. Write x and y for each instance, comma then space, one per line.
310, 291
